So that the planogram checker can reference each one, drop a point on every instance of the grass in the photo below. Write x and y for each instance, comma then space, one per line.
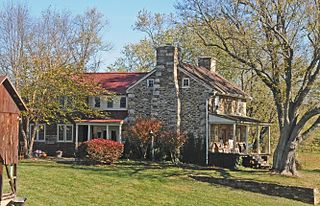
142, 183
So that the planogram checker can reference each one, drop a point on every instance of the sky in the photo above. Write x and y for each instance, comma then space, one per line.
121, 15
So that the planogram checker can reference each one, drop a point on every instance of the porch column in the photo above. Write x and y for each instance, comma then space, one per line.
246, 137
209, 138
107, 130
120, 132
258, 139
77, 134
234, 129
269, 141
89, 132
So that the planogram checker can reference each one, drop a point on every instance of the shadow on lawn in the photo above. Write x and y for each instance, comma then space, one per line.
143, 170
316, 170
290, 192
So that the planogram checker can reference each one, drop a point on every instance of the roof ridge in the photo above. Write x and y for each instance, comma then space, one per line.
116, 72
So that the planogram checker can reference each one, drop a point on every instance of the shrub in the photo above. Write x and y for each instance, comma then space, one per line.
138, 134
171, 142
100, 151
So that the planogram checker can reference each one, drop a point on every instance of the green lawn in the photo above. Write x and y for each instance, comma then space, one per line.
135, 183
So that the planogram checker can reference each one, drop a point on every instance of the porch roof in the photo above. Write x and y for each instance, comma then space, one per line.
112, 117
100, 120
233, 119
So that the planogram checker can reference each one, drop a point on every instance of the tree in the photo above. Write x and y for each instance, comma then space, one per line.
171, 142
279, 42
46, 57
163, 29
138, 133
56, 95
135, 57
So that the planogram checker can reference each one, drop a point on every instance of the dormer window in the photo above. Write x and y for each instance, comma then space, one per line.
185, 83
150, 83
97, 102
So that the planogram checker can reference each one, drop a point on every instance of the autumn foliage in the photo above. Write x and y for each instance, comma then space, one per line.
138, 133
100, 151
171, 143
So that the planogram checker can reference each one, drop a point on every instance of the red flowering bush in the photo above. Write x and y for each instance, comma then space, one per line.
100, 151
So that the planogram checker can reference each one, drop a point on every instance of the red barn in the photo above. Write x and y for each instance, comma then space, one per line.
11, 105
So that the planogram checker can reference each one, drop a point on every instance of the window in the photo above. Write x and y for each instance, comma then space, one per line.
65, 132
40, 132
123, 102
69, 133
110, 103
60, 133
114, 135
97, 102
185, 82
150, 83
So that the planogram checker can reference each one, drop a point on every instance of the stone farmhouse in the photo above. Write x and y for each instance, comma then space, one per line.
192, 99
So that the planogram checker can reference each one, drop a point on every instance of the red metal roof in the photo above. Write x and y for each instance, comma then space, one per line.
101, 120
112, 116
115, 82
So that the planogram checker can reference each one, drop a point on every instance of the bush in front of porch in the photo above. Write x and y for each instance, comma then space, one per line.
101, 151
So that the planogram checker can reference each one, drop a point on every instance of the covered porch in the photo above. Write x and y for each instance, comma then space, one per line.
237, 134
91, 129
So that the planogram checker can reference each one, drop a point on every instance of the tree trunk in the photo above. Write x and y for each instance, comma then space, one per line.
284, 160
27, 138
24, 132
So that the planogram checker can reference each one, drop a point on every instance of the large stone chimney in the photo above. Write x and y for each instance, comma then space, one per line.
207, 62
168, 54
166, 104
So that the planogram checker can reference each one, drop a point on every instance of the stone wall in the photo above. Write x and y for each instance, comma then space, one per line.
182, 109
161, 100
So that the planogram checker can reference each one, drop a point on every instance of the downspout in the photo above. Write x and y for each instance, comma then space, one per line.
207, 130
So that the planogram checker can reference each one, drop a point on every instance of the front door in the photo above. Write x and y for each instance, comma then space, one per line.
114, 133
99, 132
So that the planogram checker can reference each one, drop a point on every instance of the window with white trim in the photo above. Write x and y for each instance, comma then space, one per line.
150, 83
64, 132
40, 132
185, 83
110, 103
